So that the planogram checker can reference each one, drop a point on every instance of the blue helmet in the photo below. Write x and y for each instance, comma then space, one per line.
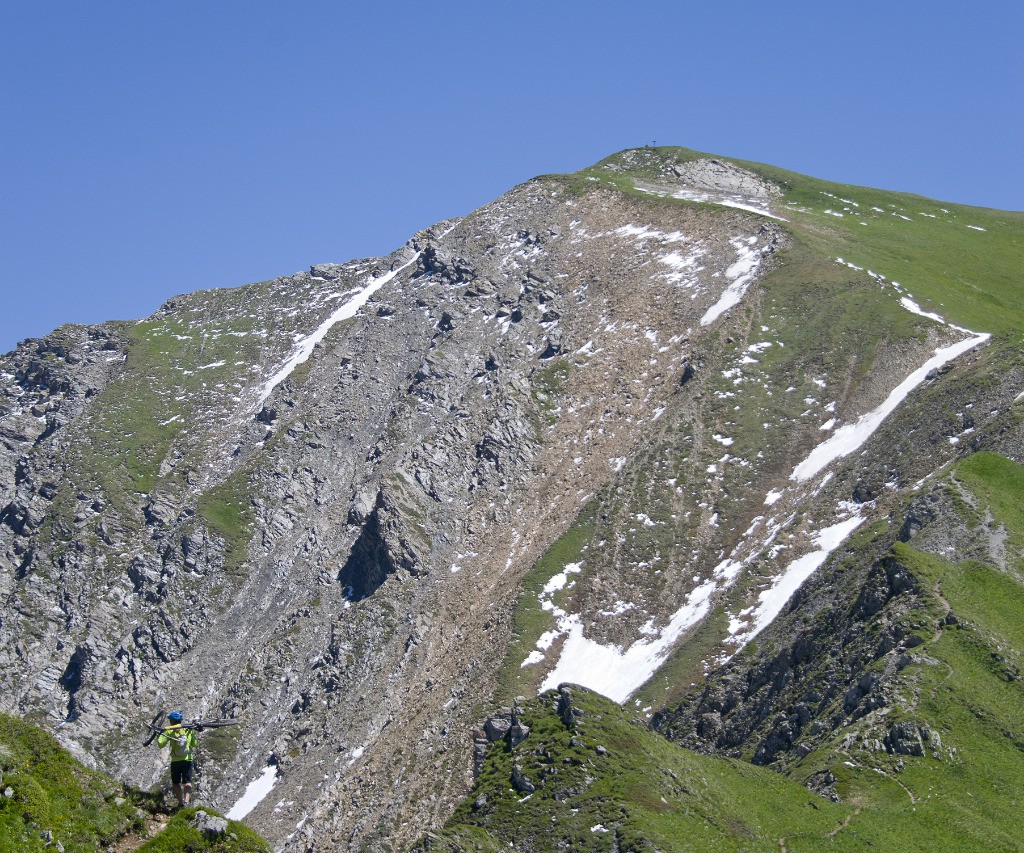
175, 716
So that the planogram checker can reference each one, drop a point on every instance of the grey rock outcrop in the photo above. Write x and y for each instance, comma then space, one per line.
210, 826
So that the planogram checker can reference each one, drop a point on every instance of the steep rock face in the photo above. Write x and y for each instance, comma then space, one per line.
311, 503
47, 384
330, 550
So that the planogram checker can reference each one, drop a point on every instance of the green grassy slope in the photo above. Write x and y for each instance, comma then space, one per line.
44, 790
965, 685
933, 249
47, 797
609, 783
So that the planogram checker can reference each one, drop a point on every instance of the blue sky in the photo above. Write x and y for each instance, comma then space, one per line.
151, 149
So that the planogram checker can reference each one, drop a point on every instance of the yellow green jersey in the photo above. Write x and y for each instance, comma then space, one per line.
183, 742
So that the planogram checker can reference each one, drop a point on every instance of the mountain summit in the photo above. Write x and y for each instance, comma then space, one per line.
733, 447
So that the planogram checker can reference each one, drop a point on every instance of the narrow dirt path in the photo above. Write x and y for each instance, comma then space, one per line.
844, 824
909, 793
830, 834
153, 826
938, 635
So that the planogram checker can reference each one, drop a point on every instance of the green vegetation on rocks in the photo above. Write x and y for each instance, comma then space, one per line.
184, 834
47, 798
606, 782
227, 509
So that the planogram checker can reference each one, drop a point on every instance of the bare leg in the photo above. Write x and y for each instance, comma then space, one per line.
178, 793
188, 793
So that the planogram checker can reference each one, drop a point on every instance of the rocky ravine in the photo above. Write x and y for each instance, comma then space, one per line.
331, 549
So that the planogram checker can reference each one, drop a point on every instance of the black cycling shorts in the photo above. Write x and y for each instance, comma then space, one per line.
181, 771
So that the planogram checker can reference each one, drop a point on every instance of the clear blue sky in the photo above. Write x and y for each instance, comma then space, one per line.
154, 148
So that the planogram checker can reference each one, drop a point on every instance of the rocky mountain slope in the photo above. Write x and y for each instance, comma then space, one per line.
599, 430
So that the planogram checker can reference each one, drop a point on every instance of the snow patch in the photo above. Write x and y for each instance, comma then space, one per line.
771, 601
914, 308
682, 266
255, 791
645, 232
728, 202
850, 437
560, 580
616, 672
740, 275
739, 202
345, 312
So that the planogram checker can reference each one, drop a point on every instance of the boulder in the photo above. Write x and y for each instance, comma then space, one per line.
211, 826
520, 782
517, 734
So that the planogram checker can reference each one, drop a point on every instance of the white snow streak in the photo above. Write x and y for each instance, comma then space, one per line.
728, 202
750, 204
771, 601
740, 274
914, 308
345, 312
850, 437
254, 794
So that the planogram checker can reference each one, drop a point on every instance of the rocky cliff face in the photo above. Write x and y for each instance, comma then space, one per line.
552, 440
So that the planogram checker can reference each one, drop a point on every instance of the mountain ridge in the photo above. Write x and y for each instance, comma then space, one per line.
348, 551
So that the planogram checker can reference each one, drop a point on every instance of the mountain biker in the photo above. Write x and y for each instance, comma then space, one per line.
183, 752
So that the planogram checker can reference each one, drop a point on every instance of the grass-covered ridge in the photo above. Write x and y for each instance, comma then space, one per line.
962, 262
47, 797
182, 836
608, 783
965, 685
